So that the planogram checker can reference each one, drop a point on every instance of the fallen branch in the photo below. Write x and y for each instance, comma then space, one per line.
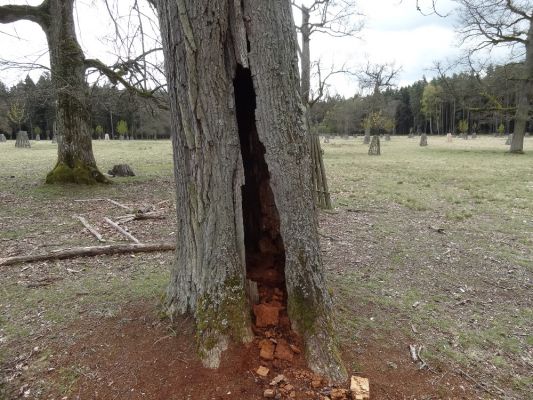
92, 230
139, 216
89, 252
119, 204
121, 230
414, 355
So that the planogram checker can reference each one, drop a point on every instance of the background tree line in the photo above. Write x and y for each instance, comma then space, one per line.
483, 102
111, 111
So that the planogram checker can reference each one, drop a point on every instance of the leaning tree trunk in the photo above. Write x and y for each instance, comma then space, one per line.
242, 167
318, 173
75, 161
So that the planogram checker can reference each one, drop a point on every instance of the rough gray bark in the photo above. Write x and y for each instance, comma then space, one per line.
237, 119
75, 162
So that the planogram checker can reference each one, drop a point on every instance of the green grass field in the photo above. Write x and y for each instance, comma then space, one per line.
427, 245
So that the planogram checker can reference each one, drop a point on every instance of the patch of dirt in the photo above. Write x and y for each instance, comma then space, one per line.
137, 356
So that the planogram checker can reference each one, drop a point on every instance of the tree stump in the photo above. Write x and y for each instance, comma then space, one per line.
121, 170
423, 140
527, 134
366, 138
106, 137
22, 140
2, 138
54, 139
387, 137
326, 139
474, 135
449, 137
38, 137
374, 149
509, 139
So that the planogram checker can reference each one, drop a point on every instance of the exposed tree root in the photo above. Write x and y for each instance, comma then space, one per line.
80, 174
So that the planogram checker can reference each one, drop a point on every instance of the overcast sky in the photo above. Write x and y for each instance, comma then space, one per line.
394, 31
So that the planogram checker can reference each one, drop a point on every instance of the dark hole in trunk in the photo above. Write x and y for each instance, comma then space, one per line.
265, 252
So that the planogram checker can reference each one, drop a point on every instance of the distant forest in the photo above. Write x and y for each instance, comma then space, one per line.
108, 106
481, 103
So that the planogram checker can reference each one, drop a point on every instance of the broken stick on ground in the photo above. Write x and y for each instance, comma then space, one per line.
121, 230
92, 230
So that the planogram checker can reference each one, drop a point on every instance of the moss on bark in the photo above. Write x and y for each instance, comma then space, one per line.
80, 174
220, 317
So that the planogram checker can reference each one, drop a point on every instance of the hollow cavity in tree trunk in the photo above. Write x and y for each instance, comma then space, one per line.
22, 140
375, 148
264, 248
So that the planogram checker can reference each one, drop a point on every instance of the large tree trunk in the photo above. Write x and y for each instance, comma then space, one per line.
75, 162
242, 168
523, 102
75, 159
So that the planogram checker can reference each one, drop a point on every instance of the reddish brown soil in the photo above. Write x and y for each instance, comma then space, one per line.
137, 356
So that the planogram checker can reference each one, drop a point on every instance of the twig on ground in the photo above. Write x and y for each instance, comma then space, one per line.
92, 230
121, 230
482, 385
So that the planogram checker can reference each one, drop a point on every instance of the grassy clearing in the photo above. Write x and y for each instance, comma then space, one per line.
466, 291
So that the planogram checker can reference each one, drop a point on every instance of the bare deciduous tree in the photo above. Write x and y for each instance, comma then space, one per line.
242, 164
375, 77
68, 66
336, 18
489, 23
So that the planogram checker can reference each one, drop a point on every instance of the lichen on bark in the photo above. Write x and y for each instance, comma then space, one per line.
221, 316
